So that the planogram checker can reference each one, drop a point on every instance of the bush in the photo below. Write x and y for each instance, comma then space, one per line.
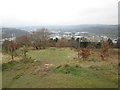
85, 53
104, 50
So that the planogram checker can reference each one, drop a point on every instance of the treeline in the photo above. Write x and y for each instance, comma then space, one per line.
40, 39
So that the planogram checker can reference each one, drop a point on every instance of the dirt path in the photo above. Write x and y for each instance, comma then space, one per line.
42, 70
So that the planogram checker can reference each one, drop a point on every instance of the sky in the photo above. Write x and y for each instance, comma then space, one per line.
58, 12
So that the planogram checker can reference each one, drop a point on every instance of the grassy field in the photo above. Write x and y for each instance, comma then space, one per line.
60, 68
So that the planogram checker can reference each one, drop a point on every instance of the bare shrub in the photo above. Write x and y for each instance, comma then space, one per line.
61, 43
85, 53
104, 51
25, 50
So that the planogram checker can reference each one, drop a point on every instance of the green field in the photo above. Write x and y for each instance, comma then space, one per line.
60, 68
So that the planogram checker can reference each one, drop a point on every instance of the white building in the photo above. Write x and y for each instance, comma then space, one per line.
67, 35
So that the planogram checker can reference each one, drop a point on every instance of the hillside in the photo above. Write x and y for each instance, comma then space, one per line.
7, 32
93, 29
60, 68
98, 29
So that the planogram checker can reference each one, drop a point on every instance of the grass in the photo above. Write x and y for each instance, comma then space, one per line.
57, 68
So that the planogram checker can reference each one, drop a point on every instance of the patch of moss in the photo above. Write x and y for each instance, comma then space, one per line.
67, 69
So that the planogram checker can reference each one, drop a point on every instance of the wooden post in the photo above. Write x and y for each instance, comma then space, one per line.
12, 53
79, 48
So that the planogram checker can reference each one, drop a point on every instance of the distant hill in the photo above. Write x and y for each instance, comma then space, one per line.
109, 30
8, 32
98, 29
94, 29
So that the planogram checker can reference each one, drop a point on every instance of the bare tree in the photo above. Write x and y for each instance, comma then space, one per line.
40, 38
5, 47
12, 47
23, 40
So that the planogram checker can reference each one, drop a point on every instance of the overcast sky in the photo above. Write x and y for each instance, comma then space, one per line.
58, 12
